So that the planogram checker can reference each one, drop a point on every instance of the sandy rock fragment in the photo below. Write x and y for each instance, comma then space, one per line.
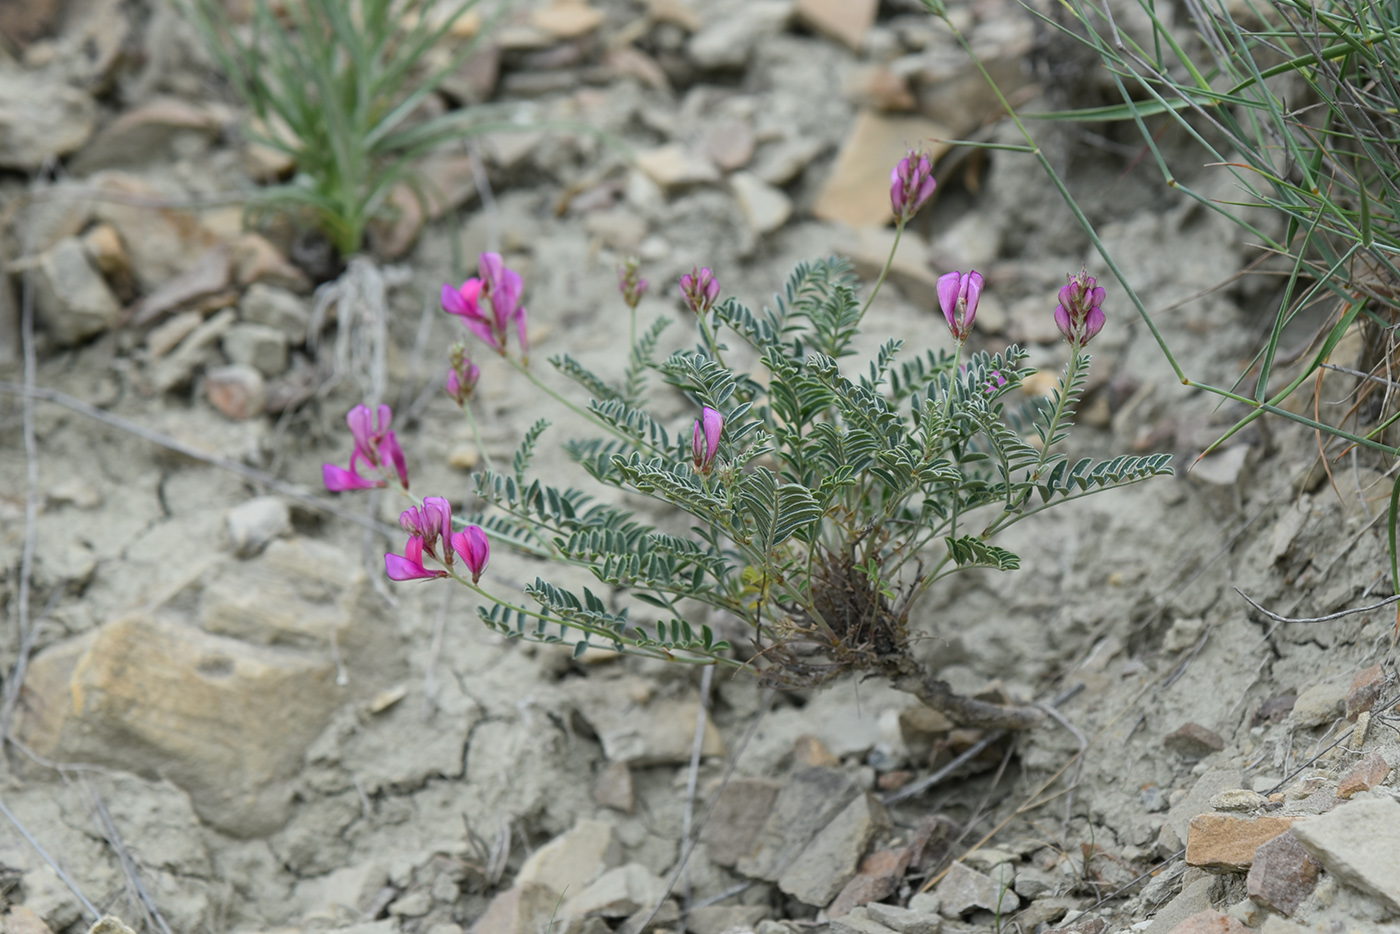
1197, 801
1210, 921
765, 208
573, 860
869, 247
904, 920
1359, 842
41, 116
72, 299
964, 890
567, 19
781, 162
738, 815
858, 190
256, 260
727, 42
105, 248
1193, 741
826, 864
20, 919
846, 21
878, 877
1319, 704
808, 801
809, 751
613, 787
658, 732
522, 909
617, 893
729, 144
879, 87
1237, 799
236, 390
1365, 690
1365, 775
1222, 841
1283, 874
162, 242
717, 919
259, 346
225, 720
673, 166
253, 524
276, 308
146, 134
209, 277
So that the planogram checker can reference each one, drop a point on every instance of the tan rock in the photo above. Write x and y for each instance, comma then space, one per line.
237, 390
210, 274
613, 787
879, 87
255, 259
654, 732
164, 337
19, 919
1220, 841
673, 166
1210, 921
522, 909
142, 136
846, 21
808, 750
105, 248
826, 864
567, 19
676, 12
225, 720
868, 250
1365, 775
162, 242
1365, 690
765, 208
394, 231
858, 190
572, 860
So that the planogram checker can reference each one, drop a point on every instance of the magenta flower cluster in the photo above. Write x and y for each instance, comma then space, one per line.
500, 288
911, 184
1079, 315
700, 289
375, 445
430, 532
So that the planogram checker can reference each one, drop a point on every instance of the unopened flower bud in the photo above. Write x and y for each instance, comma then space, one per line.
462, 375
629, 283
958, 294
1079, 315
699, 288
704, 441
911, 184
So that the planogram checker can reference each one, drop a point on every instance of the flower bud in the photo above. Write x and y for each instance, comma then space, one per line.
704, 441
462, 376
911, 184
474, 548
699, 288
629, 283
958, 294
1079, 316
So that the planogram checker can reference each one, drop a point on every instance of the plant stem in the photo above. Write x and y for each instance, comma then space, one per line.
581, 412
889, 261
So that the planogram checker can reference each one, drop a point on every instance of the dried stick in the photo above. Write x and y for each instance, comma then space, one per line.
109, 830
1316, 619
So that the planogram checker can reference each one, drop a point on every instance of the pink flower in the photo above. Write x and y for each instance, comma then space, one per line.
911, 184
501, 287
1079, 315
375, 444
430, 523
629, 283
474, 548
704, 441
409, 565
699, 288
959, 293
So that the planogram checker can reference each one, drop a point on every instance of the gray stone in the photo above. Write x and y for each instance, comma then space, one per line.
830, 860
1319, 704
146, 134
904, 920
765, 208
807, 803
726, 42
858, 921
177, 368
276, 308
965, 890
522, 909
71, 297
717, 919
654, 732
1359, 843
1193, 898
574, 859
257, 345
737, 817
253, 524
1237, 799
927, 903
1032, 883
237, 390
617, 893
41, 117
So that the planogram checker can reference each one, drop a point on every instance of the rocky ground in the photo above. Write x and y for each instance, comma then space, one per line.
230, 722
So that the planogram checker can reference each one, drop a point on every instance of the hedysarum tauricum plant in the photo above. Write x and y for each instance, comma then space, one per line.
825, 498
